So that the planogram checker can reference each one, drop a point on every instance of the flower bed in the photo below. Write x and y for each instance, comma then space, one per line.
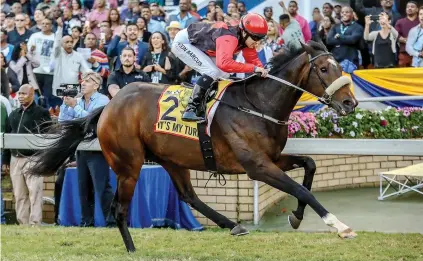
391, 123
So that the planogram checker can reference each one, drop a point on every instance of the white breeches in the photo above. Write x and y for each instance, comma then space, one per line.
195, 58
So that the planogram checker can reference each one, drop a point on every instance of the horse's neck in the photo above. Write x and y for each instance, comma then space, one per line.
281, 99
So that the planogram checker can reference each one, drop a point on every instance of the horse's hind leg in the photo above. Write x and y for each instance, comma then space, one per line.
126, 160
182, 182
290, 162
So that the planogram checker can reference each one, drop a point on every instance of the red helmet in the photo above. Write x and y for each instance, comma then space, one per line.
254, 25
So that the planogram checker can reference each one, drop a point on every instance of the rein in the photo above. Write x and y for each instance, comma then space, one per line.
325, 99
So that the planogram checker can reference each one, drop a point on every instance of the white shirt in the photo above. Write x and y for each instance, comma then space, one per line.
66, 66
43, 51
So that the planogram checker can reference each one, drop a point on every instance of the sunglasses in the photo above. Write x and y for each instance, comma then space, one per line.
19, 20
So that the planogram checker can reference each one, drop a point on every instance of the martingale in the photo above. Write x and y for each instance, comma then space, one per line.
171, 106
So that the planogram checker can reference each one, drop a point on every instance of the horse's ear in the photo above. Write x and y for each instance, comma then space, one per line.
307, 48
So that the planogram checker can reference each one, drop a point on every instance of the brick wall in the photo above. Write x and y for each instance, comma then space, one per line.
235, 199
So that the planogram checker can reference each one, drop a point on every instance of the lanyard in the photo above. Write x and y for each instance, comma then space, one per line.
345, 28
156, 57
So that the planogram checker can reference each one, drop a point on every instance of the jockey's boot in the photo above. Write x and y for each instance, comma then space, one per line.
194, 110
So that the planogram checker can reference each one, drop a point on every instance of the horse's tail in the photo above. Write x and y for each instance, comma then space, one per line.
69, 134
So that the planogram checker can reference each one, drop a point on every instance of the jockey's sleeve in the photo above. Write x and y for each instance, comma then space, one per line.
225, 49
250, 56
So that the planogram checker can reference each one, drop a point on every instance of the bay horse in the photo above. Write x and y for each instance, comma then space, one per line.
243, 143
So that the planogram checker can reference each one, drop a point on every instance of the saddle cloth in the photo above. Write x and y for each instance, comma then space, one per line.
172, 104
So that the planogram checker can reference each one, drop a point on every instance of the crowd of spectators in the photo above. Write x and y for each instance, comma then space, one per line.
47, 44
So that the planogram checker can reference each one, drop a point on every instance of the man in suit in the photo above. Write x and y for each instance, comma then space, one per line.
116, 46
183, 17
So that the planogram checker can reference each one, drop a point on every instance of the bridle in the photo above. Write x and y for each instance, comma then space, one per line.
326, 98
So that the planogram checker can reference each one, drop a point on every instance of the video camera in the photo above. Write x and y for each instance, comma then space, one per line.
69, 90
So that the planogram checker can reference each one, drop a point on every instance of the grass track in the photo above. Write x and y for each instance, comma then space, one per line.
83, 244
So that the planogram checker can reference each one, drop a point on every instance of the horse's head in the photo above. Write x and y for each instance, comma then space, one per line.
325, 79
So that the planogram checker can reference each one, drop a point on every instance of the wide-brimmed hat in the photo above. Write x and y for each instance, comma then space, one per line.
174, 24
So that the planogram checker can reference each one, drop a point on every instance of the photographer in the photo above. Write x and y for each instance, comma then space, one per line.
93, 170
384, 41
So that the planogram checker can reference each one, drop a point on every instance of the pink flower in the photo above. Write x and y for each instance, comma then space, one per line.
383, 123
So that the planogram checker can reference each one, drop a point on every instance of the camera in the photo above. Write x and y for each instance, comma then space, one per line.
374, 18
69, 90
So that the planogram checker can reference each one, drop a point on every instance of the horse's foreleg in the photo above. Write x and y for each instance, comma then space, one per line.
182, 182
290, 162
260, 167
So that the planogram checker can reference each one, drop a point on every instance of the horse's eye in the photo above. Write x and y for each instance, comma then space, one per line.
323, 70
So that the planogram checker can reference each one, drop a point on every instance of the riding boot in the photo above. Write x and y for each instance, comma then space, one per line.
195, 109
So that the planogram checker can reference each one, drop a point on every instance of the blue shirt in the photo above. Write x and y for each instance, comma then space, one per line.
97, 100
183, 21
155, 26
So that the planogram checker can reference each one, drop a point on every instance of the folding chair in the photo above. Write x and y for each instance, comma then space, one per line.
402, 180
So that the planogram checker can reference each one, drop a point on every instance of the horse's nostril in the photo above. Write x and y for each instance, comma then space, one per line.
348, 103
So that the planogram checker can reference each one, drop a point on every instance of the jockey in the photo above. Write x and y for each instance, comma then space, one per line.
210, 49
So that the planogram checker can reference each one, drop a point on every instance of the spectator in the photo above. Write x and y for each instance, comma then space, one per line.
68, 64
337, 10
23, 62
114, 20
384, 41
126, 73
231, 8
97, 16
241, 8
143, 33
45, 3
105, 41
327, 9
10, 22
403, 26
183, 17
5, 85
292, 11
69, 21
98, 59
6, 48
2, 19
316, 23
27, 22
414, 44
4, 114
386, 6
77, 39
77, 11
211, 6
27, 189
328, 23
345, 38
17, 8
292, 35
42, 43
9, 80
268, 13
156, 13
191, 12
5, 7
272, 39
127, 14
92, 167
116, 46
152, 25
157, 63
38, 18
20, 33
173, 28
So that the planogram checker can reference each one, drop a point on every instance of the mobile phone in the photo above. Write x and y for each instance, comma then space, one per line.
374, 17
102, 36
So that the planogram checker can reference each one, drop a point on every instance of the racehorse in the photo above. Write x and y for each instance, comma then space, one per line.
242, 142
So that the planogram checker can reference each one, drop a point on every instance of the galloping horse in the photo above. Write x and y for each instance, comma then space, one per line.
242, 143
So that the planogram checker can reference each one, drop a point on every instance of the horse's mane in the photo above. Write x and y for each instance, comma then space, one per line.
287, 55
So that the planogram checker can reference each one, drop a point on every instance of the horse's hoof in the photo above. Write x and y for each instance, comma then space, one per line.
239, 230
294, 221
347, 234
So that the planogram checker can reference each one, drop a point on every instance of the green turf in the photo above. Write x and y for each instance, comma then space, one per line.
80, 244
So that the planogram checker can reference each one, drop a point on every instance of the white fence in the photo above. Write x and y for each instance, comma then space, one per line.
303, 146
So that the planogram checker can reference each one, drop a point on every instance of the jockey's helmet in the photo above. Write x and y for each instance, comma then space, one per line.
254, 25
